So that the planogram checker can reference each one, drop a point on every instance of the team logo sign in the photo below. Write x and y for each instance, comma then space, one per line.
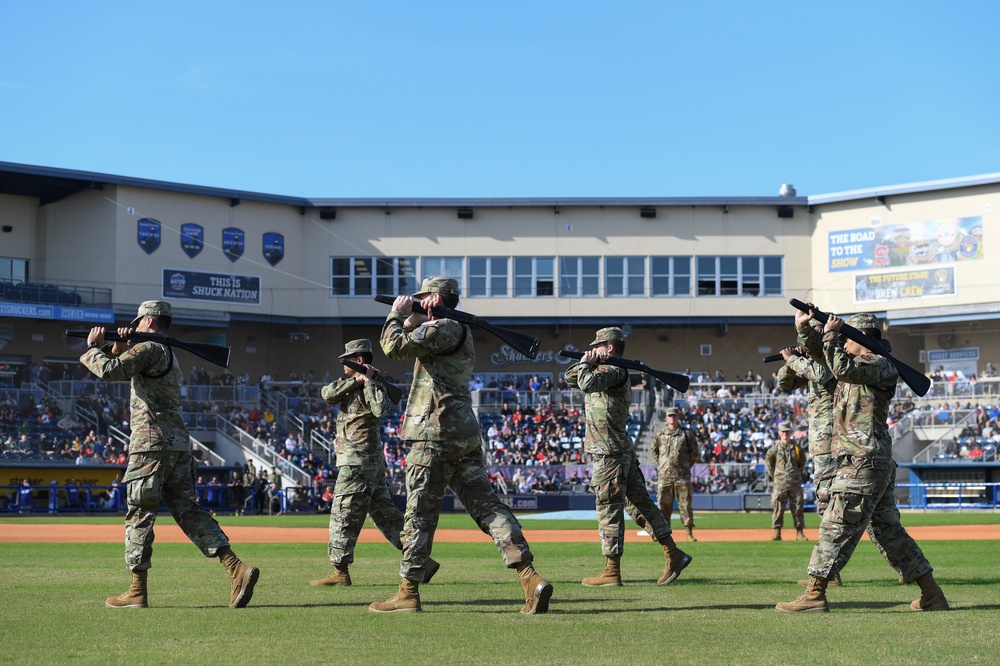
233, 243
192, 239
274, 248
149, 235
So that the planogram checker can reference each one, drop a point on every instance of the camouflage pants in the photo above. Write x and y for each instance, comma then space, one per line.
361, 490
792, 496
862, 496
620, 486
669, 489
824, 470
459, 465
166, 476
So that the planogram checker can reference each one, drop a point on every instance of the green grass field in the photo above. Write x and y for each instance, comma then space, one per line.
719, 612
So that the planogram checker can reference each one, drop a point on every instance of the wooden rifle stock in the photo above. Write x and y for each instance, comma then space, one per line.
522, 342
672, 379
216, 354
915, 379
395, 393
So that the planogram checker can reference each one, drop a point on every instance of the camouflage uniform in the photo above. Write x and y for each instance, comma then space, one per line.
863, 489
617, 481
803, 372
675, 451
160, 465
786, 464
446, 447
361, 487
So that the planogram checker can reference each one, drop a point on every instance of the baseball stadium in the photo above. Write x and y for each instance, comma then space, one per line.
266, 295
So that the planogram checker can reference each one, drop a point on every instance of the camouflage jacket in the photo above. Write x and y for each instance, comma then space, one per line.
439, 406
802, 371
674, 452
606, 404
786, 464
362, 406
155, 402
866, 385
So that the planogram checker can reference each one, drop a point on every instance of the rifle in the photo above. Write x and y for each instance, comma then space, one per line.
216, 354
772, 358
671, 379
395, 393
522, 342
916, 380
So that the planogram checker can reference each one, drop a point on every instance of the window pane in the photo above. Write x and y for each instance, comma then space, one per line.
727, 266
636, 286
477, 286
498, 285
772, 286
682, 285
772, 265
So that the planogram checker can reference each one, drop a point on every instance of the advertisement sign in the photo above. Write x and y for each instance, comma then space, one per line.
912, 244
904, 285
192, 239
57, 312
233, 243
274, 248
148, 235
212, 287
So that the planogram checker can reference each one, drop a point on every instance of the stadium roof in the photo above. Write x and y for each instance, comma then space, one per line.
49, 184
890, 190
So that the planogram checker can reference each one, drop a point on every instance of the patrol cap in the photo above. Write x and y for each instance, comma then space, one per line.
438, 284
355, 347
609, 334
865, 320
784, 426
672, 411
152, 309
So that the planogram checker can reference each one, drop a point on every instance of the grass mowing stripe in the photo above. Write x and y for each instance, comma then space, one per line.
720, 611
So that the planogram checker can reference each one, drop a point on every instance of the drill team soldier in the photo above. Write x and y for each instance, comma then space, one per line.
675, 451
786, 464
361, 488
446, 447
617, 480
862, 490
160, 465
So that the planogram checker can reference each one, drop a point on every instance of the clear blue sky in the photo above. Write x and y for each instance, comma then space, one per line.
477, 99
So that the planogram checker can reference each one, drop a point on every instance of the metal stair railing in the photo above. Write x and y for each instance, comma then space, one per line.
260, 450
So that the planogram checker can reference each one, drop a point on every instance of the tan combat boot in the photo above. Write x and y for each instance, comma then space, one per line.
611, 576
931, 596
243, 577
813, 600
777, 534
430, 569
135, 596
690, 536
677, 561
800, 535
340, 576
833, 581
537, 590
406, 600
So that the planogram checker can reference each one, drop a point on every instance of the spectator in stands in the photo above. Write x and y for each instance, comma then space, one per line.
160, 461
618, 481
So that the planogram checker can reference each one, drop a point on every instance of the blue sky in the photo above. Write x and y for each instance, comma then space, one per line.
519, 99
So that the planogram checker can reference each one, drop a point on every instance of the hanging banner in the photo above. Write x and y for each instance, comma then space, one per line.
192, 239
214, 287
274, 248
148, 235
232, 243
912, 244
904, 285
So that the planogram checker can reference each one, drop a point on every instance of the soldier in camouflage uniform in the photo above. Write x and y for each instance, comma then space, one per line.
675, 450
361, 487
786, 464
446, 447
863, 489
617, 481
160, 465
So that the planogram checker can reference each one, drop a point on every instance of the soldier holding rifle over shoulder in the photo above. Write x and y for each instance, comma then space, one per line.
617, 480
446, 446
160, 465
862, 490
361, 488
